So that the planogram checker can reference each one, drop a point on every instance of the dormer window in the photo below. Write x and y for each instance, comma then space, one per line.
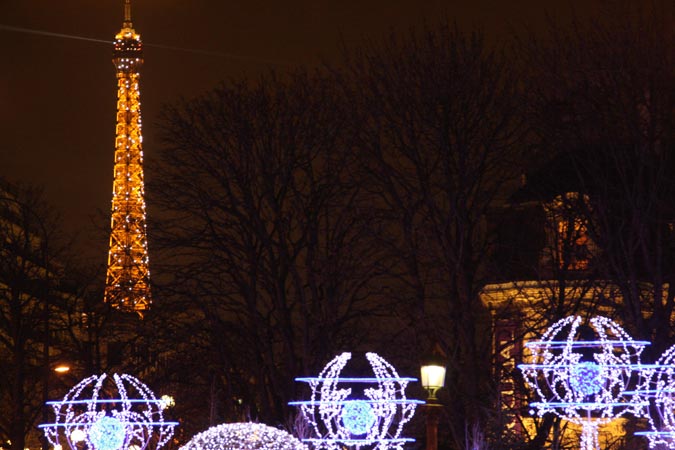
570, 246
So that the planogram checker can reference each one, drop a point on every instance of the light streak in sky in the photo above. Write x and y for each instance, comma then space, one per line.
51, 34
159, 46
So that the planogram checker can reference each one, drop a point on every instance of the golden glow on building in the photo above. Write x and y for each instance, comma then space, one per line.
127, 279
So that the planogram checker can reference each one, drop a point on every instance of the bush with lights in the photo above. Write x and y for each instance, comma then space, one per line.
243, 436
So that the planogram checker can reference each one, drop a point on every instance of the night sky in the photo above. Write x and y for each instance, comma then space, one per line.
58, 95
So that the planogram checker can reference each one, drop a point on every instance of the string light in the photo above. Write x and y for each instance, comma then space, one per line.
659, 389
108, 413
586, 381
358, 417
586, 378
375, 417
107, 433
243, 436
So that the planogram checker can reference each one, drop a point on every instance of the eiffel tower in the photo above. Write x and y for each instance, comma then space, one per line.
127, 280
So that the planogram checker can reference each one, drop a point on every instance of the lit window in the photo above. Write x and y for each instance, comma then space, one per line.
569, 241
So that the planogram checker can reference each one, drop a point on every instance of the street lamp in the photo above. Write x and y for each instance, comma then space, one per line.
433, 379
62, 368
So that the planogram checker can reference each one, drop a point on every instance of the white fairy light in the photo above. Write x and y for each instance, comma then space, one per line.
244, 436
588, 380
375, 418
108, 413
659, 388
167, 401
78, 435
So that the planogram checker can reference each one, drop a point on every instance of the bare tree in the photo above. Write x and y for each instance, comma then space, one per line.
29, 279
602, 97
438, 133
261, 233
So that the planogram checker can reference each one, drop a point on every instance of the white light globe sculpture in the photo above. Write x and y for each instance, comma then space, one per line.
108, 413
243, 436
372, 418
587, 374
659, 388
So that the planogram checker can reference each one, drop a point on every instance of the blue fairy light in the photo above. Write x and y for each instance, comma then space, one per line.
586, 378
358, 416
107, 433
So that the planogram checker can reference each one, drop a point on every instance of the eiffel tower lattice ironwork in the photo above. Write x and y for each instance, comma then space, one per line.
128, 275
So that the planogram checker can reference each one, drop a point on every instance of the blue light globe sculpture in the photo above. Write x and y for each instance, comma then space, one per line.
659, 389
361, 412
588, 374
109, 413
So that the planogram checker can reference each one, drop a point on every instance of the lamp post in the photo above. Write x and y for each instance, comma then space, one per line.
433, 379
59, 369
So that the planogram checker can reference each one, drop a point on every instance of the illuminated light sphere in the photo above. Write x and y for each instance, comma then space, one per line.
361, 412
108, 413
659, 389
358, 417
586, 373
243, 436
107, 433
586, 378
